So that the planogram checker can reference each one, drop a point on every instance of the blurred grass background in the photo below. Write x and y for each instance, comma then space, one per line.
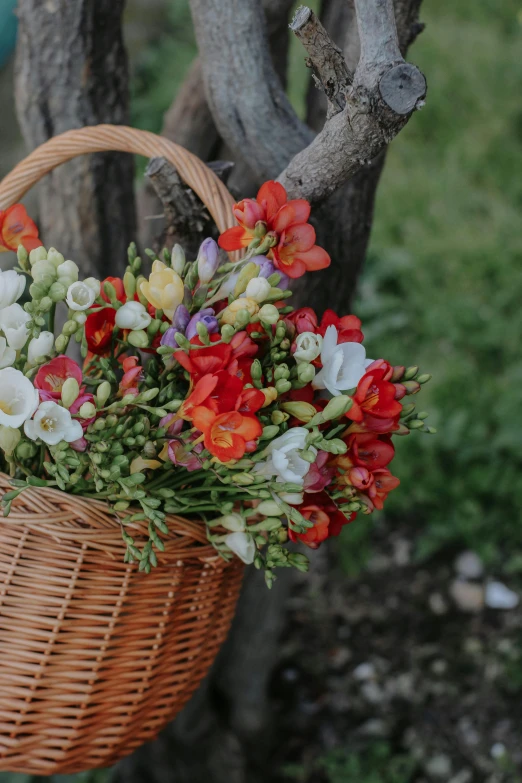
443, 282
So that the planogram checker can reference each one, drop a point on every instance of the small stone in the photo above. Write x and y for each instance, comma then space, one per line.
437, 604
469, 565
438, 766
498, 750
464, 776
365, 671
468, 597
402, 552
498, 596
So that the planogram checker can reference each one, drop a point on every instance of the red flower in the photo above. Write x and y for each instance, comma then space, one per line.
304, 319
117, 282
99, 327
328, 520
370, 451
51, 377
222, 393
295, 252
383, 483
348, 327
243, 346
227, 435
207, 360
374, 402
17, 228
132, 374
320, 475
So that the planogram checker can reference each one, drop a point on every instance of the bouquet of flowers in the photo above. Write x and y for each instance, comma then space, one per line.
202, 392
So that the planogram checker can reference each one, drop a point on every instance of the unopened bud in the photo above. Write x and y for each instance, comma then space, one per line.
57, 292
270, 395
299, 561
103, 393
9, 439
308, 456
149, 395
407, 409
55, 257
281, 371
242, 318
227, 332
70, 327
283, 386
410, 373
243, 479
138, 338
270, 431
87, 410
269, 314
61, 343
232, 522
38, 254
303, 411
248, 272
70, 392
415, 424
177, 259
278, 417
337, 446
424, 378
412, 387
398, 373
337, 407
305, 372
256, 370
129, 284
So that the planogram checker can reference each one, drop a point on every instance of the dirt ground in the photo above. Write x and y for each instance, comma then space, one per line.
394, 682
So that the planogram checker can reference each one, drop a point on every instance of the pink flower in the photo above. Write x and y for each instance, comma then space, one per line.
319, 475
186, 459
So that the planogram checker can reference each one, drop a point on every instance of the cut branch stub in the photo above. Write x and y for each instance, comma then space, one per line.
402, 87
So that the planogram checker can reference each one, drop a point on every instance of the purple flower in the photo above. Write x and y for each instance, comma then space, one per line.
267, 268
207, 318
172, 424
181, 318
208, 260
169, 338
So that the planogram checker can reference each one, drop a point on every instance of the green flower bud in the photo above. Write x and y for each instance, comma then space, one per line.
278, 417
248, 272
202, 332
26, 450
143, 299
270, 431
37, 290
243, 479
412, 387
410, 373
283, 386
55, 257
57, 292
337, 446
424, 378
110, 293
305, 372
70, 392
182, 341
304, 411
38, 254
407, 409
415, 424
269, 508
227, 332
299, 561
42, 270
256, 370
149, 395
242, 318
281, 372
70, 327
178, 259
129, 284
309, 456
87, 410
233, 522
153, 327
61, 343
138, 338
269, 314
9, 439
23, 257
337, 407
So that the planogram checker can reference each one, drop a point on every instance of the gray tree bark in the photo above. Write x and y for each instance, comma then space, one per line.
71, 70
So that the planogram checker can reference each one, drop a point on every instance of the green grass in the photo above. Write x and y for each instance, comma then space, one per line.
443, 284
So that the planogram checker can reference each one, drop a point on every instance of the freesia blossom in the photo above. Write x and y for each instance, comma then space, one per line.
181, 456
40, 347
284, 460
68, 273
374, 401
118, 286
307, 346
243, 545
258, 289
99, 328
12, 286
228, 435
13, 321
205, 317
132, 315
164, 289
17, 228
7, 355
51, 377
328, 520
18, 398
80, 296
208, 260
344, 364
52, 423
292, 245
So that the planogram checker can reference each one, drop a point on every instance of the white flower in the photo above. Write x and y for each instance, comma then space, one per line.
80, 296
7, 355
93, 283
284, 460
132, 315
40, 347
18, 398
13, 321
52, 424
343, 365
243, 545
292, 498
12, 286
258, 289
308, 346
68, 272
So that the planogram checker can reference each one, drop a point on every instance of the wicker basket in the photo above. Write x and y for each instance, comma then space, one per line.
95, 657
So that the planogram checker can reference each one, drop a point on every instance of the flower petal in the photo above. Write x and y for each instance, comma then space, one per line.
235, 238
314, 259
272, 196
295, 211
296, 240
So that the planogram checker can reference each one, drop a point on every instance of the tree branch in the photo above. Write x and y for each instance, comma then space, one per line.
385, 91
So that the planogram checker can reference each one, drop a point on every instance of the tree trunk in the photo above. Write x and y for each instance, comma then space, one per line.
71, 70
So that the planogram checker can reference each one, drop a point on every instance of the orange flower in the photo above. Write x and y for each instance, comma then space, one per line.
117, 282
99, 327
295, 251
227, 435
17, 228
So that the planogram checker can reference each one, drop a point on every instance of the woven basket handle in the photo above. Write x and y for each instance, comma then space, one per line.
119, 138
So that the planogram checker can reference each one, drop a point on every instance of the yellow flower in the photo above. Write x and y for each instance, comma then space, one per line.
304, 411
229, 315
139, 464
270, 395
164, 288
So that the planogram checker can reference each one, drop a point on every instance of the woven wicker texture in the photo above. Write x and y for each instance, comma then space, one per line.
96, 657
